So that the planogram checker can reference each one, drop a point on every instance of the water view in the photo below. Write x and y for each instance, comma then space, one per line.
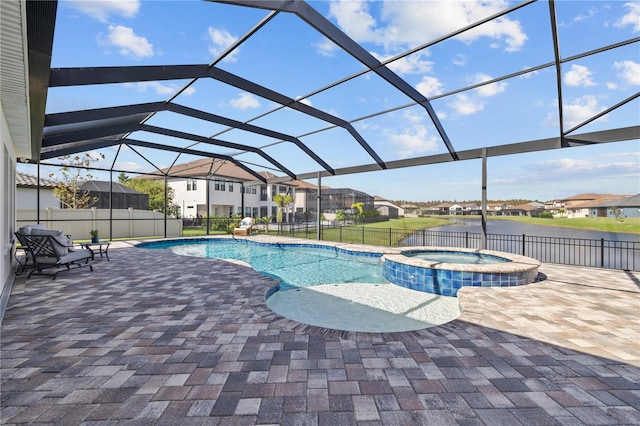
546, 243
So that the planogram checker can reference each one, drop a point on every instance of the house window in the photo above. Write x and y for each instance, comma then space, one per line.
191, 184
230, 186
219, 185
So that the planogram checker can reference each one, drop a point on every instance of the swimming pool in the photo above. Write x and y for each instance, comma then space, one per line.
333, 287
296, 265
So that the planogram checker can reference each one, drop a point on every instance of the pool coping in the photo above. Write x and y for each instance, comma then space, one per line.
517, 263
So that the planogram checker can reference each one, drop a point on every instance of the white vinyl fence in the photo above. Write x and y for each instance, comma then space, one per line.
127, 223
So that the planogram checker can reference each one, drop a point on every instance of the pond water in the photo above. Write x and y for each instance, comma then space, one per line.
546, 243
508, 227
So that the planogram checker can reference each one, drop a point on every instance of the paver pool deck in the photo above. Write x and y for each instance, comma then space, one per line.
156, 338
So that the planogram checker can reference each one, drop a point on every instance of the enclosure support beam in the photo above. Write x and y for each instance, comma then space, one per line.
318, 206
209, 203
38, 196
165, 206
110, 205
483, 243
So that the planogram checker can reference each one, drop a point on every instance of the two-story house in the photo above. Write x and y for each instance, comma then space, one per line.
218, 188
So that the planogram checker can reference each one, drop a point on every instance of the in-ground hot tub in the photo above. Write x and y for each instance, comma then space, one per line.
444, 270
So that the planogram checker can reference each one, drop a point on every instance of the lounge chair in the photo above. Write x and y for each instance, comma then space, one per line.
50, 251
246, 226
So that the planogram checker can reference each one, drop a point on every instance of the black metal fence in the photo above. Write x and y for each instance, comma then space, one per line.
600, 253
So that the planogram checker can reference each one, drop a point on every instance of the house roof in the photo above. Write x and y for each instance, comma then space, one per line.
302, 185
526, 207
602, 198
633, 201
27, 180
205, 168
105, 186
590, 196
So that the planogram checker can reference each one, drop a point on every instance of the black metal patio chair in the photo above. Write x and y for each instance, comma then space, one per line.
47, 252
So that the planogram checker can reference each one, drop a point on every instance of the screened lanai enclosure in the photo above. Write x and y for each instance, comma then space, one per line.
308, 90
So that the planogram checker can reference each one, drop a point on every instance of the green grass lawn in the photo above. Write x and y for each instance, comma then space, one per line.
389, 233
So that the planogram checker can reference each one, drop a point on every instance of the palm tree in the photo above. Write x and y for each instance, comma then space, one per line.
281, 201
266, 220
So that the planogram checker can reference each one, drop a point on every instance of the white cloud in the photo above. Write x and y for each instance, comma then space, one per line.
430, 86
102, 9
415, 140
631, 18
460, 60
464, 105
159, 88
489, 89
579, 75
128, 43
221, 39
326, 48
132, 166
354, 18
412, 64
611, 85
413, 22
244, 101
304, 101
597, 166
576, 112
590, 14
529, 74
629, 72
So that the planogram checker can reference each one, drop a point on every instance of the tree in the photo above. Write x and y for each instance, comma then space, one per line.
341, 216
74, 173
360, 207
281, 201
266, 220
155, 190
123, 178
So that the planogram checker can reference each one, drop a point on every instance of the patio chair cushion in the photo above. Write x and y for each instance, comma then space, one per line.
26, 229
63, 247
68, 258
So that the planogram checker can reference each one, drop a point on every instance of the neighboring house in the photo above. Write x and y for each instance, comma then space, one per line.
579, 205
387, 208
123, 196
27, 192
220, 188
532, 209
463, 208
334, 199
438, 209
622, 207
306, 198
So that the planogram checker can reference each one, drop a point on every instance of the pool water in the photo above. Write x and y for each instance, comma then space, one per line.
456, 257
301, 267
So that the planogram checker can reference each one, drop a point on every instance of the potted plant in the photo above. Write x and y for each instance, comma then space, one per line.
94, 236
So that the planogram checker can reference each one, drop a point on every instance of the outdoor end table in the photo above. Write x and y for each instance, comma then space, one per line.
101, 247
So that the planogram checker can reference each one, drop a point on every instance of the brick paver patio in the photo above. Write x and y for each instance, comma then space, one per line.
154, 338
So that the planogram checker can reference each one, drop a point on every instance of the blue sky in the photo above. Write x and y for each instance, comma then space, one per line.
290, 57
